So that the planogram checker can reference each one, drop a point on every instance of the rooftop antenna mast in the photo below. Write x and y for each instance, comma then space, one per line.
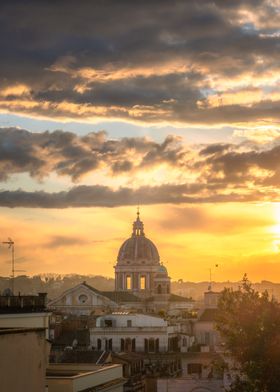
210, 277
11, 245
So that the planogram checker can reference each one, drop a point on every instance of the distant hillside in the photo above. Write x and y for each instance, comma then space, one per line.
56, 284
196, 289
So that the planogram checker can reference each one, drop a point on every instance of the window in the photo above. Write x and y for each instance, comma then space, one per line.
109, 344
159, 289
127, 345
157, 345
146, 345
108, 323
83, 298
128, 282
207, 337
151, 345
99, 344
129, 323
143, 282
122, 345
194, 368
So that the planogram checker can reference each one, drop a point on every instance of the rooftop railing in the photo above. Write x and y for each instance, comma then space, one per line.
23, 303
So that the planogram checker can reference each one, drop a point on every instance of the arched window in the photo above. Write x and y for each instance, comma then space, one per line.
146, 345
109, 345
157, 345
133, 345
128, 345
151, 345
143, 282
128, 282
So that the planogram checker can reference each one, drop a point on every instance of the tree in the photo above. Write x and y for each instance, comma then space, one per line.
249, 323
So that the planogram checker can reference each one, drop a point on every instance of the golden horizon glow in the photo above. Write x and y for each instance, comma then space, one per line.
240, 238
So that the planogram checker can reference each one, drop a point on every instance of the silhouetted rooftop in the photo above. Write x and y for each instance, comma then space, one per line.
209, 315
23, 303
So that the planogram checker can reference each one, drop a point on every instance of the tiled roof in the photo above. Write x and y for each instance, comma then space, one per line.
209, 315
67, 337
91, 288
127, 357
116, 296
77, 356
120, 296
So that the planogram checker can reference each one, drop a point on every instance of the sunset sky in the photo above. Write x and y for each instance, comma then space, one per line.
172, 105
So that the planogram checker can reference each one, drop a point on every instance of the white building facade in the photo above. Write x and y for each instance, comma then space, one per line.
134, 333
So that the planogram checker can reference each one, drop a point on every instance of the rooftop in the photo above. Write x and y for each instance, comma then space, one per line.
11, 331
120, 296
66, 338
23, 303
179, 298
94, 377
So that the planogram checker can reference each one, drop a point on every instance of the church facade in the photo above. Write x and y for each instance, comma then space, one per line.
138, 269
141, 283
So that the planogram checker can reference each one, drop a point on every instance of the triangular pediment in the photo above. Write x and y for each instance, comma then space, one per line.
81, 294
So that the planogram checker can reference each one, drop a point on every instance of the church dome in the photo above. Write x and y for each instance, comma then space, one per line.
138, 248
162, 272
162, 269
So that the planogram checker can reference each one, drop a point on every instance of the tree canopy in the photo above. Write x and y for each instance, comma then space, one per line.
249, 323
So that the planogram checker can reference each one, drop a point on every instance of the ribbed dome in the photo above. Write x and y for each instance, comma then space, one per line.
138, 248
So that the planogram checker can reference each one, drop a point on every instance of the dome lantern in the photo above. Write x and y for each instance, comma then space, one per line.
138, 226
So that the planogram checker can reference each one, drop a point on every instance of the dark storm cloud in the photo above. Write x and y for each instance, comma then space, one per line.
102, 196
147, 61
214, 149
220, 172
236, 166
65, 153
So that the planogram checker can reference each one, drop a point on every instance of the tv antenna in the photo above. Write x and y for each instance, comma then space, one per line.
11, 245
210, 277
